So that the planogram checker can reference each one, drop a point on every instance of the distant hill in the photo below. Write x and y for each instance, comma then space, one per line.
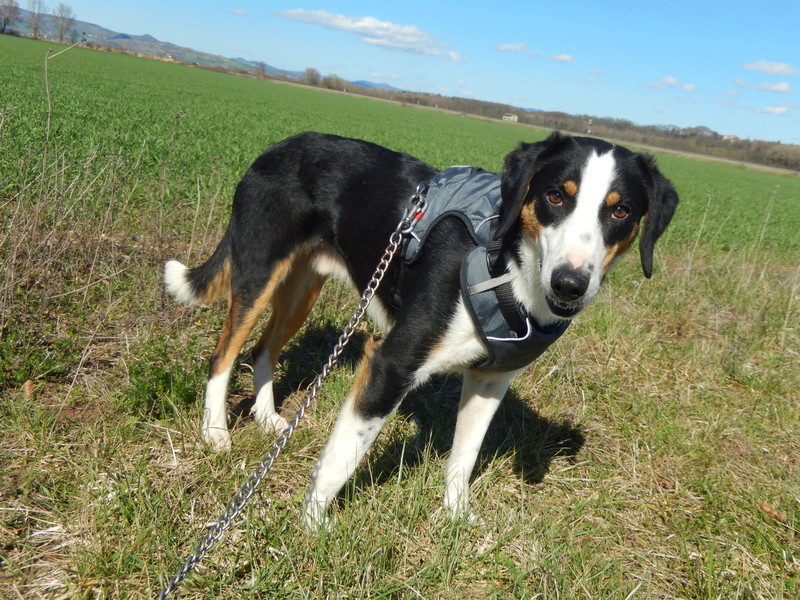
253, 65
376, 86
147, 45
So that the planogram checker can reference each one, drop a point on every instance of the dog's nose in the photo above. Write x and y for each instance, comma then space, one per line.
569, 284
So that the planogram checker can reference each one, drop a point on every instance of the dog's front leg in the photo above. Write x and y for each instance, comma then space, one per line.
374, 397
481, 394
352, 436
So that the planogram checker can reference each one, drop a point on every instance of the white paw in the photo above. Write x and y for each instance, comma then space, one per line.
315, 516
217, 437
272, 423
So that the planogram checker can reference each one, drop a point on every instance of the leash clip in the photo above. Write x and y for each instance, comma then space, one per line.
415, 210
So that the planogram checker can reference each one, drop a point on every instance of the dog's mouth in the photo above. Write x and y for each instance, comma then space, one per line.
564, 310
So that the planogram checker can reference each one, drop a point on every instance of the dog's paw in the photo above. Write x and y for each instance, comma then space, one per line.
219, 439
272, 423
315, 516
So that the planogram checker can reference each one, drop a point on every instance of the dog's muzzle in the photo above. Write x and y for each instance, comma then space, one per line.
568, 288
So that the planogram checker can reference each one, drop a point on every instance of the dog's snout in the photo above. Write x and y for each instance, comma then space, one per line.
569, 284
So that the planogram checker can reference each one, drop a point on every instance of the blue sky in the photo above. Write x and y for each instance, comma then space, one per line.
732, 66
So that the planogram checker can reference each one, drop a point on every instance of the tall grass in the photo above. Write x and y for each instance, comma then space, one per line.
651, 454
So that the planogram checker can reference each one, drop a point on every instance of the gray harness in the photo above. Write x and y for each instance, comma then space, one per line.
512, 337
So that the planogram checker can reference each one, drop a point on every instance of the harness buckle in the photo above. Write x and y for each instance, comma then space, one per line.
414, 210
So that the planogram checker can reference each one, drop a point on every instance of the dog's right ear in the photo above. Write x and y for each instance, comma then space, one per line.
518, 171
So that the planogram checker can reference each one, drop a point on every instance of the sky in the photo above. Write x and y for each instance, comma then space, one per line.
733, 66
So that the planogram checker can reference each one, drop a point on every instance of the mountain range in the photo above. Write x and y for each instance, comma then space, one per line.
147, 45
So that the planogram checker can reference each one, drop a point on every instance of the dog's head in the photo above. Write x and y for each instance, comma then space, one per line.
571, 206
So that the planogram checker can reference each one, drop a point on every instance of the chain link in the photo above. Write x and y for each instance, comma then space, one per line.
248, 488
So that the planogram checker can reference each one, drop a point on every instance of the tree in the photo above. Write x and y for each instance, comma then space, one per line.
311, 76
65, 20
333, 82
37, 9
9, 12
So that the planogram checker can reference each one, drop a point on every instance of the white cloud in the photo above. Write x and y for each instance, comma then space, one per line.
664, 83
772, 68
237, 12
667, 83
781, 87
519, 48
565, 58
403, 38
775, 110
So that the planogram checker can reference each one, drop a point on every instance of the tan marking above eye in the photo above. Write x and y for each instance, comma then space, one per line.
570, 187
613, 199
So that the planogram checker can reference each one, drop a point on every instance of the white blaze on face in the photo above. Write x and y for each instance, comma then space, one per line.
578, 240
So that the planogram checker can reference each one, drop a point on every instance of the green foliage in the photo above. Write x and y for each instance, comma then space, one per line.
36, 353
163, 383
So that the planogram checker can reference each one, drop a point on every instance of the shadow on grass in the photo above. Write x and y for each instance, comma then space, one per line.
533, 440
300, 363
516, 429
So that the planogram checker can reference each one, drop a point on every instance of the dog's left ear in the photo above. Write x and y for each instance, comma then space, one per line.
520, 166
662, 202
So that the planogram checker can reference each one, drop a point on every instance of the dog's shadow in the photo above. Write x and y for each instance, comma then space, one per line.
533, 440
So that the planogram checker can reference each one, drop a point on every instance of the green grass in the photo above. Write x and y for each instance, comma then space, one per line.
652, 454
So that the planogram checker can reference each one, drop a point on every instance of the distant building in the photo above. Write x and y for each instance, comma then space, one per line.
510, 118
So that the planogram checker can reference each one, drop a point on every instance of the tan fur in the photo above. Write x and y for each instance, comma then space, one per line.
291, 304
618, 249
238, 325
571, 187
613, 199
363, 372
219, 286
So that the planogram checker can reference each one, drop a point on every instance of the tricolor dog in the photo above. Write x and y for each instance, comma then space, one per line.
495, 270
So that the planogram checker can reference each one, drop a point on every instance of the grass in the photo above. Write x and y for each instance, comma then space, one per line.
652, 454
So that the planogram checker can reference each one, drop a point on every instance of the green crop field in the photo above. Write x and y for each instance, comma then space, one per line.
653, 453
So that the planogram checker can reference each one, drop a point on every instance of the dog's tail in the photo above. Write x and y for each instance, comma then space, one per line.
203, 284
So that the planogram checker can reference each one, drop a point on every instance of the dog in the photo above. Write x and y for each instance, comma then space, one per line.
315, 206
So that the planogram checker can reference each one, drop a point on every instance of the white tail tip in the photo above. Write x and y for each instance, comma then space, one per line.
177, 283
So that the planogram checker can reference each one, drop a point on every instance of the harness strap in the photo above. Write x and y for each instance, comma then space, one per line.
510, 309
489, 284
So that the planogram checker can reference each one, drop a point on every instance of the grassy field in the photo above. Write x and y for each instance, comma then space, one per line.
653, 453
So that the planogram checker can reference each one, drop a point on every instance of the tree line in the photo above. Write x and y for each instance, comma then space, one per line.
698, 140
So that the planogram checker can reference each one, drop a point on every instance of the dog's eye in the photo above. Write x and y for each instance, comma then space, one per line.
620, 212
554, 197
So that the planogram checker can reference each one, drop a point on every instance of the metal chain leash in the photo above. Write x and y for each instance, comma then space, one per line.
414, 210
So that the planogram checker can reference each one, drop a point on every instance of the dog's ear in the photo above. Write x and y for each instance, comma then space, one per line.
518, 171
662, 201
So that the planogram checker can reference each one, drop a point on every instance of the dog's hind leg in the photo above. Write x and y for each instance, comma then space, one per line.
291, 304
481, 394
246, 303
